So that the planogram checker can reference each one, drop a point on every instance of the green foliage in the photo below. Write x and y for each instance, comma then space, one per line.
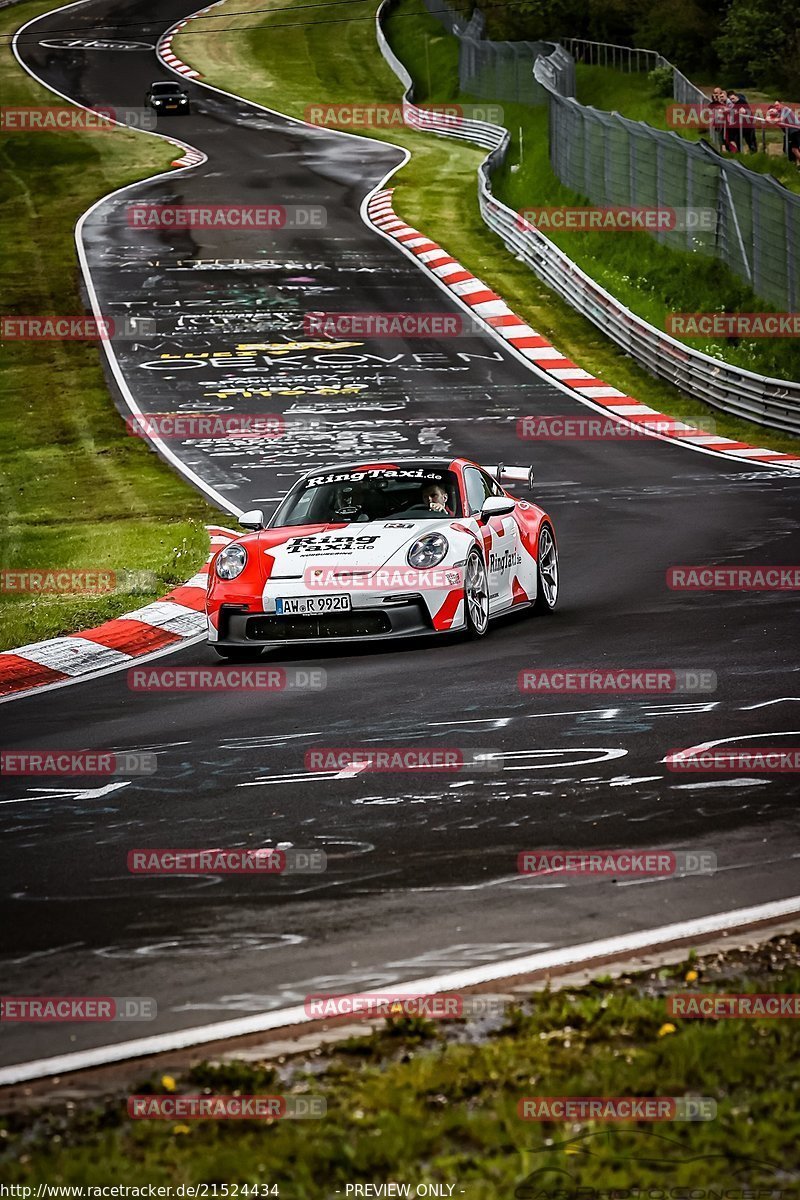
660, 80
759, 44
683, 30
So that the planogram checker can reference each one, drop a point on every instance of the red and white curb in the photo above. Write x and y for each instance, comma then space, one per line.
190, 157
165, 51
164, 48
495, 313
165, 624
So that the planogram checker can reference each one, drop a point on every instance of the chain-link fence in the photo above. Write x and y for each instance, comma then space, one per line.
492, 70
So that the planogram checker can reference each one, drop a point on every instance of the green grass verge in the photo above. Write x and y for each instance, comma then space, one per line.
77, 491
291, 67
423, 1101
631, 94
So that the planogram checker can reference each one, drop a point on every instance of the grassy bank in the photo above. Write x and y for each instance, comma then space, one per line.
284, 62
424, 1101
77, 492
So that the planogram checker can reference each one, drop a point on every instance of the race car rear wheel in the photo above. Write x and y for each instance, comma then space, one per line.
238, 653
546, 572
476, 595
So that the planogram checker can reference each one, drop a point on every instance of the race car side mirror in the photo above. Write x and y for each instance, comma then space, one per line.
252, 520
497, 506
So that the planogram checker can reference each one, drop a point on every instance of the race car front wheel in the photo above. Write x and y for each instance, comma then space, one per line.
476, 595
546, 572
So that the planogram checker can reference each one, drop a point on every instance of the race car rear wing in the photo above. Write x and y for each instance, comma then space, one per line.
504, 474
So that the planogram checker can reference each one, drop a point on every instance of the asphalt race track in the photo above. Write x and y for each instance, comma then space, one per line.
421, 870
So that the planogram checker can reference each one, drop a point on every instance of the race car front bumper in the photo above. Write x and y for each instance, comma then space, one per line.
388, 618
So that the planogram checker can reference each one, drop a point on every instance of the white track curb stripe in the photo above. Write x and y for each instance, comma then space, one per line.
548, 960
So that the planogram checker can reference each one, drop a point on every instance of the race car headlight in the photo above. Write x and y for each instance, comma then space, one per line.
428, 551
231, 562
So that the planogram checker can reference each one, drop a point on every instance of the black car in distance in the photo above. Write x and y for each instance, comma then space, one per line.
167, 97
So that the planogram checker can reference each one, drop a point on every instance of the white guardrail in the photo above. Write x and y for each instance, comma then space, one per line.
771, 402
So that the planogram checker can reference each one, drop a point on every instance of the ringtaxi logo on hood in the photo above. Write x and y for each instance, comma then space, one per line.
315, 542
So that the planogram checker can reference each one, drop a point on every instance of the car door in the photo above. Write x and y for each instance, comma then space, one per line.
500, 539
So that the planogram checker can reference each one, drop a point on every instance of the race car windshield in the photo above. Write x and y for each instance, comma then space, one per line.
379, 494
166, 89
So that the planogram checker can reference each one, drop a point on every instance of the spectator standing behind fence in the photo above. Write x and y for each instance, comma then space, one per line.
790, 123
733, 132
723, 119
719, 112
743, 115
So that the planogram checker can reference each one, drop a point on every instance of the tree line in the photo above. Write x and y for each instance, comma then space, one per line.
737, 43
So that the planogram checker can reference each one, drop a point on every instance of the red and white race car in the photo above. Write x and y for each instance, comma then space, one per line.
382, 550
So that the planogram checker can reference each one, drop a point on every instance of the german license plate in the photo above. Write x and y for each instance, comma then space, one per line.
312, 605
